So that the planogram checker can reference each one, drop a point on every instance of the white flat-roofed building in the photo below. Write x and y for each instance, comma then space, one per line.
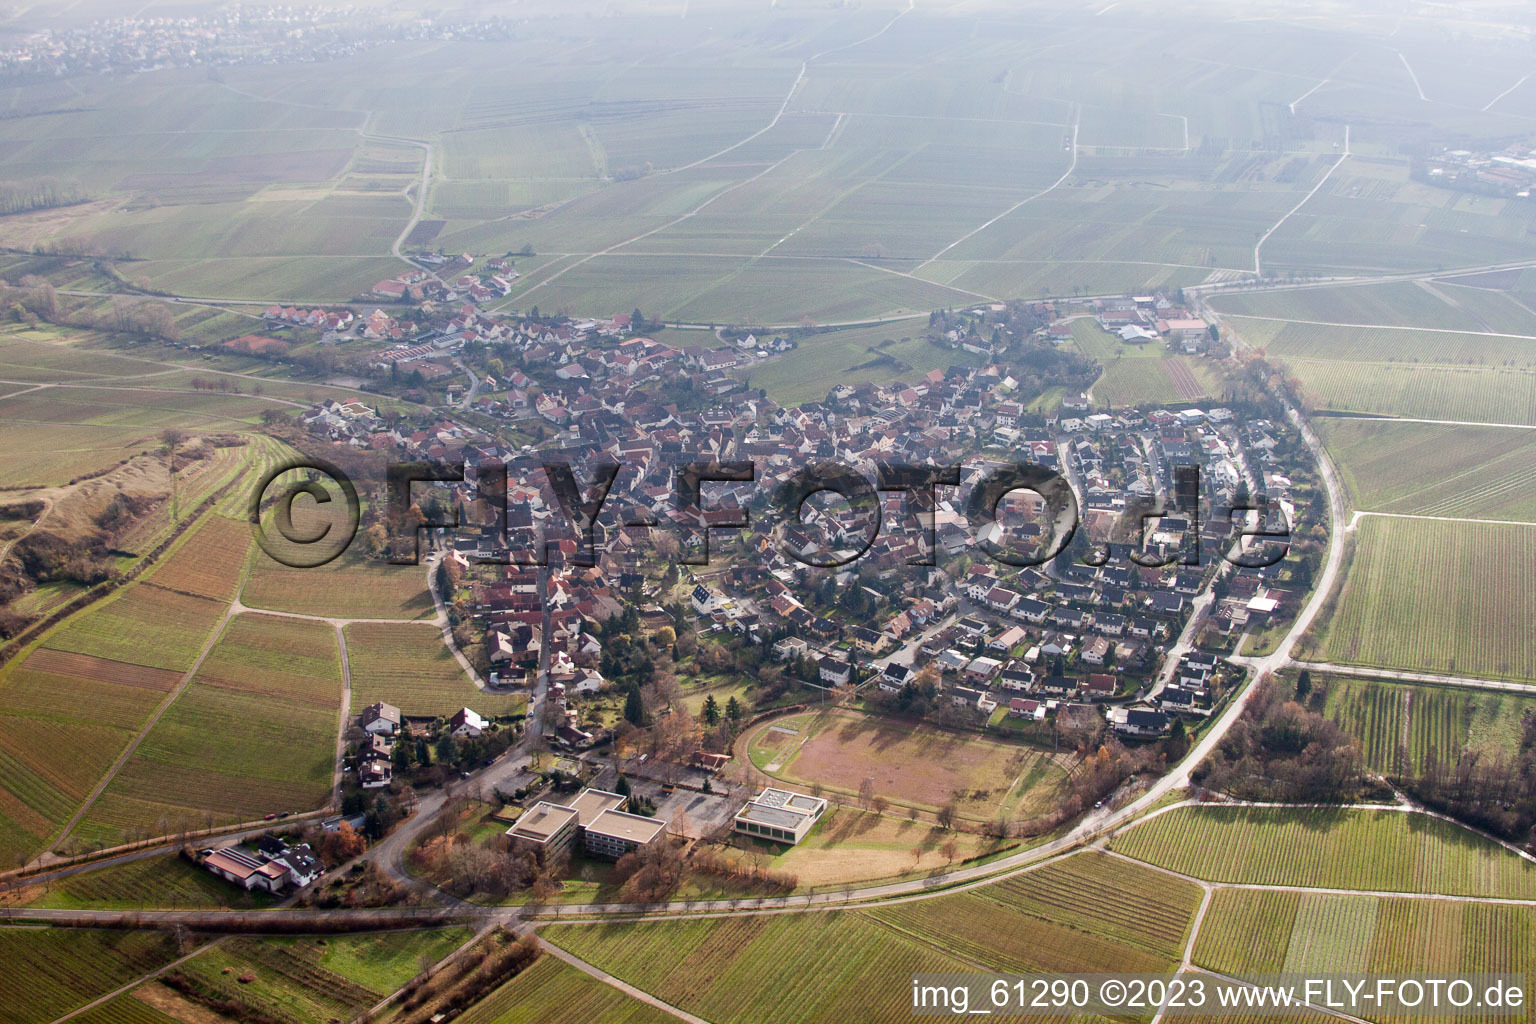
615, 833
595, 816
549, 827
780, 815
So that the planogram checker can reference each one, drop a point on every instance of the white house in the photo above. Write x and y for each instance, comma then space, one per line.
466, 723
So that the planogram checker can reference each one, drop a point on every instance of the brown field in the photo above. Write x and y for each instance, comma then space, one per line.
118, 673
211, 561
1184, 383
914, 765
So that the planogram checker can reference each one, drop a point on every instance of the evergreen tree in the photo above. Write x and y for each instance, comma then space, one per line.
733, 710
711, 711
634, 707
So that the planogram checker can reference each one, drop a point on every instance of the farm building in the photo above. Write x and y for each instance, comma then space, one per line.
247, 870
780, 815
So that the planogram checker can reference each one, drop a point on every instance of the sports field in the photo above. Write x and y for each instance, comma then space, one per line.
910, 765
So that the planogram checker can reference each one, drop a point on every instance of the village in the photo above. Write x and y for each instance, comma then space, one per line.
1184, 546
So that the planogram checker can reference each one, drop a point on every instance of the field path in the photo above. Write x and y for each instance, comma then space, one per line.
623, 986
1358, 513
1258, 268
346, 712
1465, 682
1071, 166
128, 752
136, 982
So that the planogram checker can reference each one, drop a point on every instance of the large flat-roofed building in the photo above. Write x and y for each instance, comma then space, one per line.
780, 815
594, 816
590, 803
549, 827
615, 833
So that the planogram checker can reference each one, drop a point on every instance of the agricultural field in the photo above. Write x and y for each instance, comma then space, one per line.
912, 766
1314, 933
1424, 721
409, 666
351, 587
50, 971
1399, 304
51, 756
149, 624
1435, 597
841, 965
1288, 341
1466, 394
877, 354
1328, 847
553, 992
300, 980
210, 563
166, 881
1462, 472
254, 732
1085, 913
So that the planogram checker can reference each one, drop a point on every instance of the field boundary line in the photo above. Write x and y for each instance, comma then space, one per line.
1359, 513
1071, 167
229, 613
613, 982
1385, 327
140, 980
1258, 268
1409, 676
1186, 963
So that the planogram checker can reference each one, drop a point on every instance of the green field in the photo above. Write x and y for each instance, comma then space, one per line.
1463, 472
254, 732
166, 881
50, 971
1466, 394
410, 667
1425, 720
301, 980
1328, 848
1432, 596
553, 992
876, 355
1314, 933
1083, 914
351, 587
1400, 304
